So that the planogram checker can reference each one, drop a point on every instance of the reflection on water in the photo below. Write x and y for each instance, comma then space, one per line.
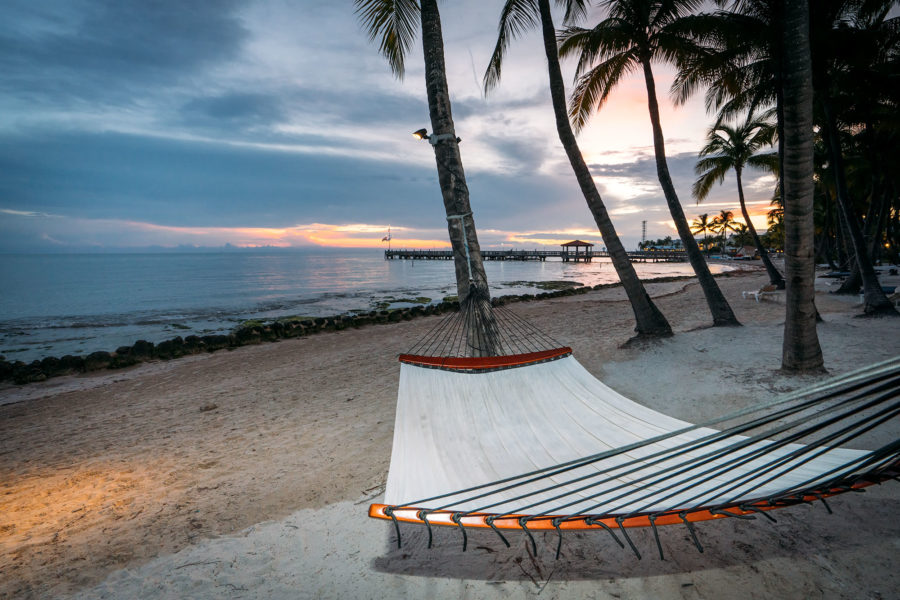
77, 303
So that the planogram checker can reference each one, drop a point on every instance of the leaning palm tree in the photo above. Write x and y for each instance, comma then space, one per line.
800, 349
516, 17
636, 33
734, 147
702, 224
392, 24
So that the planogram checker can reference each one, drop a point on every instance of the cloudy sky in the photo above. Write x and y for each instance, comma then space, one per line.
131, 124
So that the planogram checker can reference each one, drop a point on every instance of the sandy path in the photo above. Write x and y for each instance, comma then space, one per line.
109, 472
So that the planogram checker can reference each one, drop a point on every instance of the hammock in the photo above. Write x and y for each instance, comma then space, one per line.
499, 427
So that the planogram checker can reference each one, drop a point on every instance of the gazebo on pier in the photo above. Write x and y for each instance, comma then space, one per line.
578, 256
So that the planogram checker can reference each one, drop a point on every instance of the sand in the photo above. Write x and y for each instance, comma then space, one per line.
247, 474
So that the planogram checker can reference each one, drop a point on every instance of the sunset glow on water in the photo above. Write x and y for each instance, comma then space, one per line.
57, 304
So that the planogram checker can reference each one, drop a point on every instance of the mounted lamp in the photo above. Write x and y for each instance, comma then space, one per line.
433, 139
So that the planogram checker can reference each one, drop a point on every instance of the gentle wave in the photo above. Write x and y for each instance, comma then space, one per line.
59, 304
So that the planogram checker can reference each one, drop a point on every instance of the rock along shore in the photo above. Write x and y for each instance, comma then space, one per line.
250, 333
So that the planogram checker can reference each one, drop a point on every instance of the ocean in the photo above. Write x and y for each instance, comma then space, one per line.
56, 304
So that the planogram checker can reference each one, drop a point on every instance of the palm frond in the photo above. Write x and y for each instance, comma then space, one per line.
517, 17
593, 88
607, 39
767, 161
576, 10
393, 25
712, 172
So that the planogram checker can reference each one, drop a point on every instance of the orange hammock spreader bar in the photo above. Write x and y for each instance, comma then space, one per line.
407, 514
470, 363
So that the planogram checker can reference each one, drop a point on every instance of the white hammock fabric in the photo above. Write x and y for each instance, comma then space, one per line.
456, 430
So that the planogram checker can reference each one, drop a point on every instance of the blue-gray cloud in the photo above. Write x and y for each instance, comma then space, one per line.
237, 108
254, 114
108, 50
175, 182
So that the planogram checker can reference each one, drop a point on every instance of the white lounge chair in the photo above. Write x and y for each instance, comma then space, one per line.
766, 290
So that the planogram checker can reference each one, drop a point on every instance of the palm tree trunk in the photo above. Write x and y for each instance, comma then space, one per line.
649, 320
800, 350
875, 298
775, 277
718, 305
452, 178
470, 276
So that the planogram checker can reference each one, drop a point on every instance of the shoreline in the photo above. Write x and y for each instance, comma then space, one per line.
255, 332
78, 306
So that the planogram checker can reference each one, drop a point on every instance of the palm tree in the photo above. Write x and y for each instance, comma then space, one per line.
733, 148
775, 222
830, 25
392, 24
702, 224
742, 235
516, 17
800, 350
635, 33
722, 224
743, 64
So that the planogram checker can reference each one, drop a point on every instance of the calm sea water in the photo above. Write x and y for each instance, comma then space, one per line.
55, 304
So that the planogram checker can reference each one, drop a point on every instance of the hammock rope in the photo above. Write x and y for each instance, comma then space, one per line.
497, 328
777, 453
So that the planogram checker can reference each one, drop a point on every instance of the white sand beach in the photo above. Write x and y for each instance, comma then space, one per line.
248, 474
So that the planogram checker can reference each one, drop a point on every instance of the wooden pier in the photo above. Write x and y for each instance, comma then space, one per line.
539, 255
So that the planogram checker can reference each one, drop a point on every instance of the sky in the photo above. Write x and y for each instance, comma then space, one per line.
127, 124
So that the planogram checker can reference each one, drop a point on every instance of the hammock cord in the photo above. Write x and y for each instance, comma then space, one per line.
847, 383
776, 453
480, 328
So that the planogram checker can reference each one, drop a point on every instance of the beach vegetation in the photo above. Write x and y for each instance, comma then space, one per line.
633, 35
517, 17
849, 219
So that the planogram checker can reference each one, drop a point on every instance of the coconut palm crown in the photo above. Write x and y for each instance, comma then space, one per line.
635, 32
